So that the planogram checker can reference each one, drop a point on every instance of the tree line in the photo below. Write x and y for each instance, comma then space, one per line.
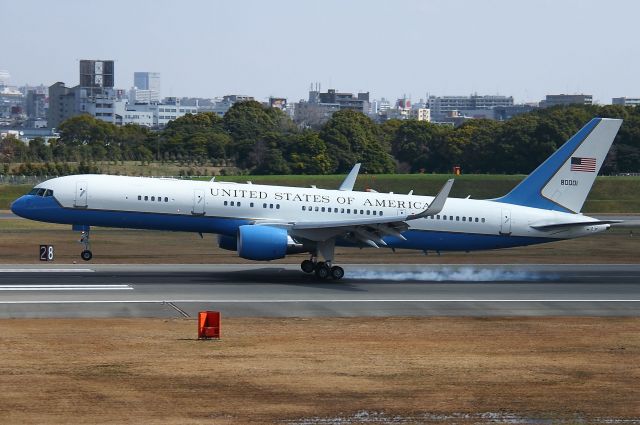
261, 140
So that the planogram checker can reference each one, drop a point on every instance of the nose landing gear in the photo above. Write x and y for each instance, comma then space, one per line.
86, 253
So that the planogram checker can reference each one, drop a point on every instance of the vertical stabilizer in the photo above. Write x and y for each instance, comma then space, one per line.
564, 180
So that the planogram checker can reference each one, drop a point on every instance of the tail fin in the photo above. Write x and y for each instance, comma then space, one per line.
564, 180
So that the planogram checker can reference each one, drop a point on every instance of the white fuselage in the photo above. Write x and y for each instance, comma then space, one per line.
107, 200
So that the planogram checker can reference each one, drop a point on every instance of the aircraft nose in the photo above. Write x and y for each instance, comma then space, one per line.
20, 205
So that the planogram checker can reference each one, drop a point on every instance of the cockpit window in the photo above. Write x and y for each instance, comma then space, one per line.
39, 191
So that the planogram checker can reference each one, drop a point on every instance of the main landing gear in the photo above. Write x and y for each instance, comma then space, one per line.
323, 270
86, 253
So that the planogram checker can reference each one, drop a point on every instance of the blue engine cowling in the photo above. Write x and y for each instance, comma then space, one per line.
262, 242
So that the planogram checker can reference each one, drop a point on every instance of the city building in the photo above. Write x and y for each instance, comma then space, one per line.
156, 115
566, 99
146, 88
626, 101
319, 107
442, 106
62, 103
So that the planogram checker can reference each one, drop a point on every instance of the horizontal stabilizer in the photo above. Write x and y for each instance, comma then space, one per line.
573, 224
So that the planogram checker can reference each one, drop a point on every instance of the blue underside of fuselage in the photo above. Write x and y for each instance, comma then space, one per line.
48, 210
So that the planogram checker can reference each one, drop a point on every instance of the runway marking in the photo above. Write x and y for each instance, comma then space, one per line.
322, 301
115, 287
47, 271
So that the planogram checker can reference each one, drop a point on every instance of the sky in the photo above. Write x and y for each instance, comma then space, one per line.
262, 48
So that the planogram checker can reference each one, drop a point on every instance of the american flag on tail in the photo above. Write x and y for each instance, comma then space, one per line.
587, 165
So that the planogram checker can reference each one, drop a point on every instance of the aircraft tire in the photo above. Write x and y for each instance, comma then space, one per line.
322, 271
86, 255
307, 266
337, 272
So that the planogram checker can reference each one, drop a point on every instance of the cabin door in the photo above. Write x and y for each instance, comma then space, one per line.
80, 200
505, 222
198, 202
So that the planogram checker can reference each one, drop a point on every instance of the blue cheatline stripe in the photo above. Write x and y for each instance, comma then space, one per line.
47, 209
529, 192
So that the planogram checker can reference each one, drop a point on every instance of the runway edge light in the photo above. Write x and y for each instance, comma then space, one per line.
209, 325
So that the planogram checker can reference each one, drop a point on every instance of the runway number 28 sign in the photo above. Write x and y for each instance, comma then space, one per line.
46, 252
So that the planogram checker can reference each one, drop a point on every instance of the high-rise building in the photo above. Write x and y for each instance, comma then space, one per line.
146, 87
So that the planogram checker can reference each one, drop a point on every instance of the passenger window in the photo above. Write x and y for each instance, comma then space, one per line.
146, 198
277, 206
271, 206
483, 220
464, 218
374, 212
368, 212
238, 203
380, 212
362, 212
342, 211
444, 217
451, 217
438, 217
322, 209
232, 203
304, 208
264, 205
476, 219
166, 199
139, 197
225, 203
251, 205
153, 198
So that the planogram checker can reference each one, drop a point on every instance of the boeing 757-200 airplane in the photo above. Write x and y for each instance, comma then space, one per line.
268, 222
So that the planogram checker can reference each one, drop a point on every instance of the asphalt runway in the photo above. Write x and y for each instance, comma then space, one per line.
283, 291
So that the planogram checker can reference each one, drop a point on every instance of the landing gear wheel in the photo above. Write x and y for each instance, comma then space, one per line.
337, 272
307, 266
322, 271
86, 255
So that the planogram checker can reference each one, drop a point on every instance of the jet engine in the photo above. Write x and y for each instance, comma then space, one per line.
266, 243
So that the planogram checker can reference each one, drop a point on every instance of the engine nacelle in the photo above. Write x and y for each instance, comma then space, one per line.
262, 242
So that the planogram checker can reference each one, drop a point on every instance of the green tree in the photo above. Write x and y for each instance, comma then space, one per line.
352, 137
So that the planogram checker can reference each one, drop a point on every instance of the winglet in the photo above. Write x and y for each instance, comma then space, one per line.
350, 180
437, 204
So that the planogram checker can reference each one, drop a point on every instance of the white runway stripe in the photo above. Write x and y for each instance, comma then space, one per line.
116, 287
47, 271
325, 301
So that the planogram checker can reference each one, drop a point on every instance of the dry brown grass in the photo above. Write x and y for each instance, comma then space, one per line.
272, 370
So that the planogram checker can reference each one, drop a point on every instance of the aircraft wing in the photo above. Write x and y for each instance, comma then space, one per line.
369, 230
